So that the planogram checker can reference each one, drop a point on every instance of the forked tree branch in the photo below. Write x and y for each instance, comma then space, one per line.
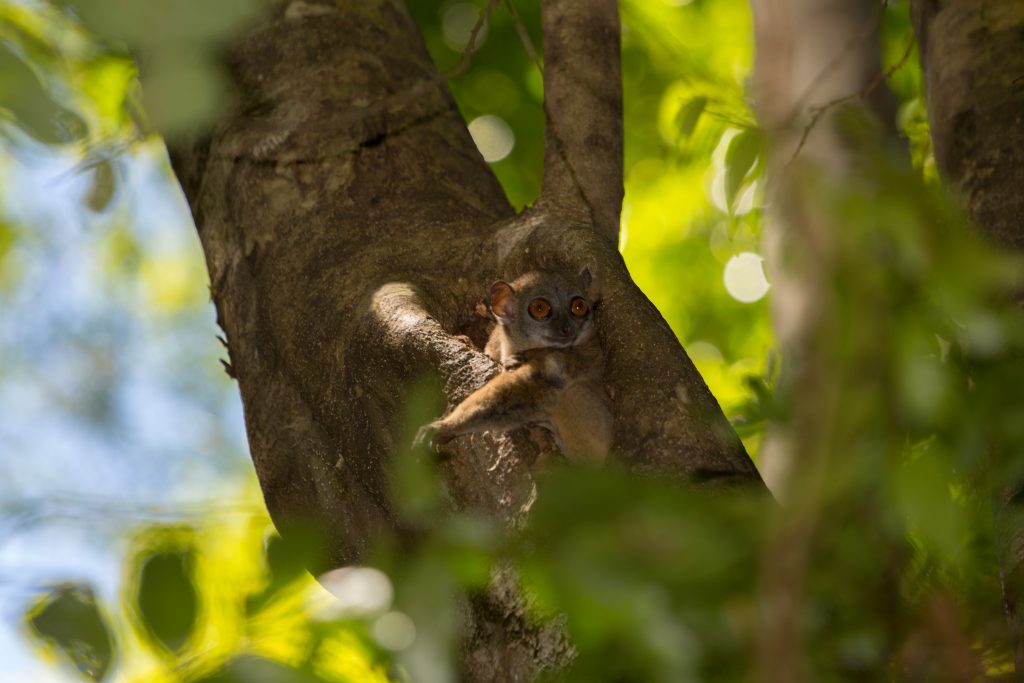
583, 111
349, 228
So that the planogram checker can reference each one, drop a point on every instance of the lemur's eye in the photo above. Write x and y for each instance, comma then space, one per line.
579, 307
539, 308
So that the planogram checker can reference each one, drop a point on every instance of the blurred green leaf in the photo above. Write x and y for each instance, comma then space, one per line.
924, 493
414, 475
762, 407
253, 669
107, 82
167, 599
176, 42
740, 157
101, 190
22, 93
288, 558
470, 545
640, 568
8, 271
69, 619
182, 92
428, 593
173, 22
689, 114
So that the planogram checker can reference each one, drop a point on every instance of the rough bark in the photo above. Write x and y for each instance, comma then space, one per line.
583, 103
350, 226
811, 57
972, 53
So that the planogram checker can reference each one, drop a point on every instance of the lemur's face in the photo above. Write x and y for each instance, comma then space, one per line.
545, 310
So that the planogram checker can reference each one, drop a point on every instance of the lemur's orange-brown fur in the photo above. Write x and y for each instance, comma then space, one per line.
544, 339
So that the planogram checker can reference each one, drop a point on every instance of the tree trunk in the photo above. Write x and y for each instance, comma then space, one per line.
350, 226
972, 53
813, 59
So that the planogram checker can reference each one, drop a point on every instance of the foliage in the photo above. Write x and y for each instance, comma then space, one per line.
212, 602
68, 619
887, 521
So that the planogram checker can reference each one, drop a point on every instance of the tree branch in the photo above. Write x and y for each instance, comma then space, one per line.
583, 109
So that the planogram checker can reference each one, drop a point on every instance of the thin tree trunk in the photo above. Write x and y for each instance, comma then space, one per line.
583, 107
811, 57
350, 226
972, 53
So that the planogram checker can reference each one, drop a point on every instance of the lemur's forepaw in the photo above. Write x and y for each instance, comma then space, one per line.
424, 436
430, 436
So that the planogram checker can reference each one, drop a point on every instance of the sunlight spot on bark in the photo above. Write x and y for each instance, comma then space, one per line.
397, 304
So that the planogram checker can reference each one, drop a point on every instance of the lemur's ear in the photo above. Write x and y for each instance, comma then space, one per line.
590, 285
502, 301
586, 276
